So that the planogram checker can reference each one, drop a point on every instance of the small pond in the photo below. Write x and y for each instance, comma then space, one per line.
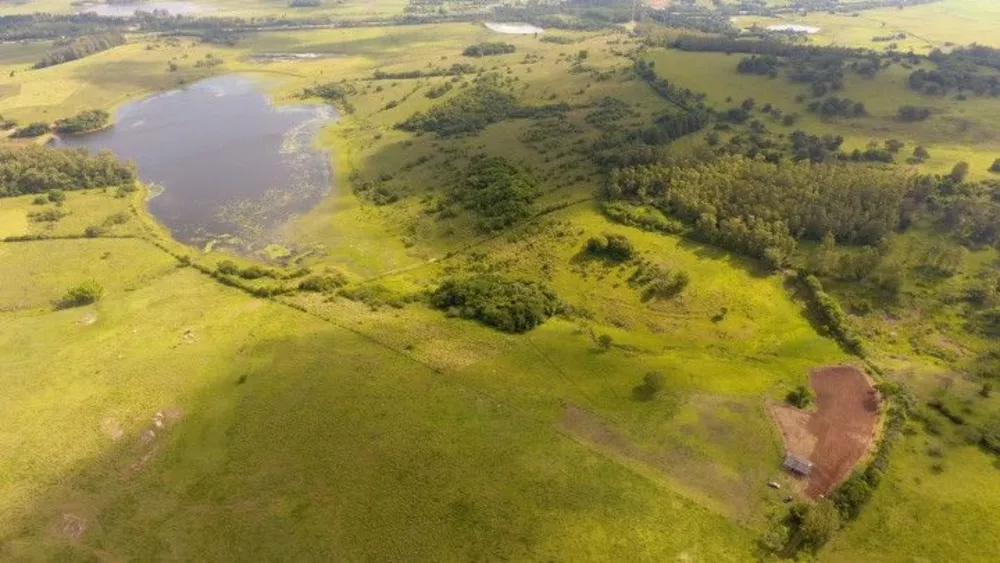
514, 28
128, 10
794, 28
232, 166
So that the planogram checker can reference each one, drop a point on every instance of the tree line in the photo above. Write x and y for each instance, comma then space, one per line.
81, 47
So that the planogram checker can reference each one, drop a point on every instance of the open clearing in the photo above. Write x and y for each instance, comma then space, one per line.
839, 433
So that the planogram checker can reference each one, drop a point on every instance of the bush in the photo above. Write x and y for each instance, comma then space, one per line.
82, 122
996, 166
611, 247
800, 397
83, 294
651, 384
509, 305
95, 231
56, 196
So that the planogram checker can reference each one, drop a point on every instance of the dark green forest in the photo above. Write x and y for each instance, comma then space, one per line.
35, 169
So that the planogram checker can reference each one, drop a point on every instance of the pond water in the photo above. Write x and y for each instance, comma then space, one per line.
794, 28
513, 28
232, 166
128, 10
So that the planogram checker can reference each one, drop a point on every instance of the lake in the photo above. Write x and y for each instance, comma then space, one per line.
794, 28
232, 166
128, 10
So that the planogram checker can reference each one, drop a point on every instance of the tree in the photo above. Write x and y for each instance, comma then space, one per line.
651, 384
920, 153
800, 397
996, 166
959, 172
813, 524
604, 342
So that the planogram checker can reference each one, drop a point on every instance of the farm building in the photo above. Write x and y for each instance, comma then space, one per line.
797, 465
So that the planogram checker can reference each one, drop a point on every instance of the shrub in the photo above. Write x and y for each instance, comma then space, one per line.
47, 215
651, 384
996, 166
56, 196
851, 496
95, 231
801, 397
323, 283
83, 294
509, 305
813, 524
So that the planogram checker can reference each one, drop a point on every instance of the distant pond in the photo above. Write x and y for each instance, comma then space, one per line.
232, 166
128, 10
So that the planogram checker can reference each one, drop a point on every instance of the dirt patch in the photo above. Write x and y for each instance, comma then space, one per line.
112, 429
87, 319
699, 477
73, 527
839, 433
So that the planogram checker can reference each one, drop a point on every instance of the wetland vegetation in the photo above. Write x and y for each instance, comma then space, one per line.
371, 281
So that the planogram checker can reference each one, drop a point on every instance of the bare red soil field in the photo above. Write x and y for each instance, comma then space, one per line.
839, 433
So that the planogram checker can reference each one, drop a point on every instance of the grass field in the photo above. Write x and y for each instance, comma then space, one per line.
928, 26
181, 419
342, 9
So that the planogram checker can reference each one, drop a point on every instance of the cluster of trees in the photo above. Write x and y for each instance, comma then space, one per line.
766, 65
335, 93
762, 208
36, 169
31, 130
837, 107
947, 79
509, 305
90, 120
498, 192
658, 281
611, 247
486, 49
487, 101
608, 112
81, 47
438, 91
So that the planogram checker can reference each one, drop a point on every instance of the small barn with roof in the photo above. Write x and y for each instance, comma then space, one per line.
797, 465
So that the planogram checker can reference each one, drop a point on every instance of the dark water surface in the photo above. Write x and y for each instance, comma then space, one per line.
232, 166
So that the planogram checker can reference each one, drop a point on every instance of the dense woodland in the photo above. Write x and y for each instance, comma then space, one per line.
761, 208
37, 169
